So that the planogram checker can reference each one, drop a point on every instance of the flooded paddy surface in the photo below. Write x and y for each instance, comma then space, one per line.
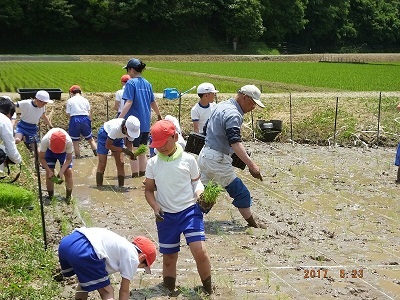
333, 215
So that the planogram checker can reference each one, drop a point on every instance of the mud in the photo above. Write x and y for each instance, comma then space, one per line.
333, 216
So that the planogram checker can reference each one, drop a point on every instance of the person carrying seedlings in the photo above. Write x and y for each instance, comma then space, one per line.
111, 137
78, 111
56, 145
139, 100
31, 113
176, 175
92, 254
201, 111
223, 138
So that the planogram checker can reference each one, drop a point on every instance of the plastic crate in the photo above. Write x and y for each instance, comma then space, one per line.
31, 93
195, 142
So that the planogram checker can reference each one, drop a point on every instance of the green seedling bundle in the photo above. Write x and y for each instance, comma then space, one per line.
209, 197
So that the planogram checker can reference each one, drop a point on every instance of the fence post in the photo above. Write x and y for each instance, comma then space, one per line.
379, 118
290, 112
334, 130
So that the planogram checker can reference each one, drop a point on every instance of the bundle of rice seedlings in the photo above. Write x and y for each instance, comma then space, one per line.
209, 197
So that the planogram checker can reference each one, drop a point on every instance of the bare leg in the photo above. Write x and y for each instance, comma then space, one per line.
101, 167
106, 293
80, 294
69, 183
200, 255
119, 162
169, 270
77, 151
93, 145
142, 164
134, 163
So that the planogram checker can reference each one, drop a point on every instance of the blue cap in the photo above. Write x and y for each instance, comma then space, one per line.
132, 63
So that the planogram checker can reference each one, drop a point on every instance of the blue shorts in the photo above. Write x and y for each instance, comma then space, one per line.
101, 142
29, 131
142, 139
51, 159
80, 125
77, 256
397, 160
189, 222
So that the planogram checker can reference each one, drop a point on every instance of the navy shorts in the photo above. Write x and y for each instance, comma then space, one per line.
397, 160
51, 159
101, 142
80, 125
29, 131
189, 222
77, 256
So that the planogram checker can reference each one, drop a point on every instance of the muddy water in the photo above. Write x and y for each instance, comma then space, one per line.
335, 210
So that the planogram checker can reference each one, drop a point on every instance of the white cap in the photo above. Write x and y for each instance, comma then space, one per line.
205, 88
253, 92
133, 126
43, 96
175, 121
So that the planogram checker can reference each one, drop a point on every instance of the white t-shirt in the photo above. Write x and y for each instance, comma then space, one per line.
7, 136
113, 129
173, 180
78, 106
45, 142
120, 255
29, 113
118, 97
201, 114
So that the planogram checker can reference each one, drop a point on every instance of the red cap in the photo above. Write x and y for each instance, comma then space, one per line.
160, 132
57, 141
125, 78
75, 89
148, 248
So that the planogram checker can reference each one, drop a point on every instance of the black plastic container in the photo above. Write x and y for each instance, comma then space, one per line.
31, 93
269, 129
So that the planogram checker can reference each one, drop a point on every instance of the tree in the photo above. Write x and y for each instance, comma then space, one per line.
283, 18
241, 20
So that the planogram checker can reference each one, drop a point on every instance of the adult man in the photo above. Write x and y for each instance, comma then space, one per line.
7, 109
139, 100
56, 145
201, 111
78, 110
95, 253
223, 137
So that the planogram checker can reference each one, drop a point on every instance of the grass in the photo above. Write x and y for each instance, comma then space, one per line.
226, 76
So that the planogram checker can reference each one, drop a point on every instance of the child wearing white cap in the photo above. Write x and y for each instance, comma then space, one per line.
31, 112
202, 110
111, 137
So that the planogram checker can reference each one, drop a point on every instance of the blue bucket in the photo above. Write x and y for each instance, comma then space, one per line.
171, 93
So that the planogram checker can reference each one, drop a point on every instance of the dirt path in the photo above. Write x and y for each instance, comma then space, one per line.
333, 213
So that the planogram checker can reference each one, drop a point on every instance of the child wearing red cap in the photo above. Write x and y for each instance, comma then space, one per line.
176, 175
80, 123
95, 253
55, 146
119, 103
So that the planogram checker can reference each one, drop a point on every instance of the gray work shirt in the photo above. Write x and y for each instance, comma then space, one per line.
226, 114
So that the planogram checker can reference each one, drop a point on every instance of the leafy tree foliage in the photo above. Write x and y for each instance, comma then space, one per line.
322, 25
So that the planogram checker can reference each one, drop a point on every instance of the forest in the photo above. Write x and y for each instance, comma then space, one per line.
198, 26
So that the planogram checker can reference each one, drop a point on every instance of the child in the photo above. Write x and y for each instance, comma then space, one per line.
31, 112
176, 175
202, 110
119, 103
111, 137
57, 145
78, 110
95, 253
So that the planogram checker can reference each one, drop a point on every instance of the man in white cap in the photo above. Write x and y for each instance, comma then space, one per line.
201, 111
31, 112
111, 137
223, 138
